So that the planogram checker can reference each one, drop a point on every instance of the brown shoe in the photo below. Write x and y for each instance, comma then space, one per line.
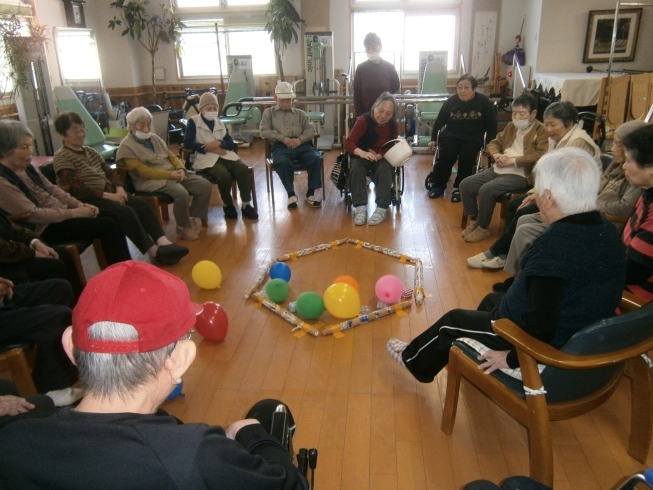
477, 235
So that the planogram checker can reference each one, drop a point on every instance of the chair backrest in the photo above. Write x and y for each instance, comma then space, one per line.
47, 169
434, 82
160, 124
609, 335
66, 100
606, 160
236, 90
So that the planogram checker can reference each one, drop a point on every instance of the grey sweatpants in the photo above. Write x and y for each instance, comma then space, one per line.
381, 175
195, 186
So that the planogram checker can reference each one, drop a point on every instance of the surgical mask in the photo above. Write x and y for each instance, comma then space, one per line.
210, 116
521, 123
373, 56
142, 136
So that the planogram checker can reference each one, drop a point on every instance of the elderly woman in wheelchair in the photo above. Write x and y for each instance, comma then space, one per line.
365, 146
572, 276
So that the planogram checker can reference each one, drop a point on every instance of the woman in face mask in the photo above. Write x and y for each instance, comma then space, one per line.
214, 155
515, 151
157, 169
373, 77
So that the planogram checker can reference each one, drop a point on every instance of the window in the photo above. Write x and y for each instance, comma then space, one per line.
199, 57
405, 33
181, 4
77, 55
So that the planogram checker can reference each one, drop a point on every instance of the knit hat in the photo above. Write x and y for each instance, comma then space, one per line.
284, 91
151, 300
207, 99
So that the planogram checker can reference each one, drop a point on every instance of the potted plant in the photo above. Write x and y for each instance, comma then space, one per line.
19, 39
282, 25
149, 29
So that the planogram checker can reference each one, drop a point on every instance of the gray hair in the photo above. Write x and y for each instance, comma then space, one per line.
11, 132
137, 115
564, 111
382, 98
372, 38
628, 127
572, 177
110, 375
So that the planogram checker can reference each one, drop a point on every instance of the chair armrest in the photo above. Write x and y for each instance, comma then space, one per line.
615, 219
550, 356
630, 302
16, 218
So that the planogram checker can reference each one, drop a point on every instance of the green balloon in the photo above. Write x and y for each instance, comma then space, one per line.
309, 305
277, 290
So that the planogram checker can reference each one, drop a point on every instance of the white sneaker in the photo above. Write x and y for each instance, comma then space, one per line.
495, 263
476, 262
188, 234
65, 397
471, 226
361, 215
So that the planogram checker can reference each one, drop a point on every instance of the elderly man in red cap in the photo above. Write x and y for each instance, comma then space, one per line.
130, 340
291, 134
215, 156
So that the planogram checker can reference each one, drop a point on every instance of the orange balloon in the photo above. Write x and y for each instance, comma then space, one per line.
347, 280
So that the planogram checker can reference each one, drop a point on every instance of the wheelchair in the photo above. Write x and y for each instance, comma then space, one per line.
481, 162
396, 190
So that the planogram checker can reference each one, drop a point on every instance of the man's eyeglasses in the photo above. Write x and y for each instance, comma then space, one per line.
188, 335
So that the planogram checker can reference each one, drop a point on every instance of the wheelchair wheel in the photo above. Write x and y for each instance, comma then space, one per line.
429, 183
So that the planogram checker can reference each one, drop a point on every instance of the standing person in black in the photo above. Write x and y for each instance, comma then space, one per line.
467, 115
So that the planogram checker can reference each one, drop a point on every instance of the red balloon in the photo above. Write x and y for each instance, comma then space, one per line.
213, 322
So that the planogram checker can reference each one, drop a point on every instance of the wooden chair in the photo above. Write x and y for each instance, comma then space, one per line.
184, 156
577, 378
269, 169
18, 360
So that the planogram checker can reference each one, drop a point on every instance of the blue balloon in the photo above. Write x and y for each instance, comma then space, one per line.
176, 391
280, 271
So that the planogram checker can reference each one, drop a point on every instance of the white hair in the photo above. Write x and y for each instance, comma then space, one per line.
136, 115
572, 177
110, 375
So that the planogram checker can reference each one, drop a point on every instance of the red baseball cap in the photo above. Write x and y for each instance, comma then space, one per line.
151, 300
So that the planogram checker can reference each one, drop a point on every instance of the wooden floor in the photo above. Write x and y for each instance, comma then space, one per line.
375, 427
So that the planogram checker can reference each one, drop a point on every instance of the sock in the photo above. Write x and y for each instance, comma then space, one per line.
310, 192
291, 193
488, 255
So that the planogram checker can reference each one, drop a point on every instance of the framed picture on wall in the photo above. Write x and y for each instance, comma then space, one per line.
598, 40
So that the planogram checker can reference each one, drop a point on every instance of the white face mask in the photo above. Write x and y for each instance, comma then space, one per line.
210, 116
521, 123
142, 136
373, 56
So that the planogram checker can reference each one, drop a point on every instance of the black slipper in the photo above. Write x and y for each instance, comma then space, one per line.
170, 254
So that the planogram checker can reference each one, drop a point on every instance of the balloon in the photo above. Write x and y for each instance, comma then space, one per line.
213, 322
309, 305
348, 280
277, 290
342, 300
207, 275
280, 271
389, 289
176, 391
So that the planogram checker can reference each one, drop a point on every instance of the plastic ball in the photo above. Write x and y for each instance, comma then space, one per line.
342, 300
176, 391
280, 271
309, 305
206, 275
348, 280
389, 289
277, 290
213, 322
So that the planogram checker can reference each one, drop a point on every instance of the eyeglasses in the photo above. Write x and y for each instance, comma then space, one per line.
188, 335
77, 131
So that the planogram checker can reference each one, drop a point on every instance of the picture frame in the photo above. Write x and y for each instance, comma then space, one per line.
598, 39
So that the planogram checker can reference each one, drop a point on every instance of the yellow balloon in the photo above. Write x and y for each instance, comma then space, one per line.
342, 300
207, 275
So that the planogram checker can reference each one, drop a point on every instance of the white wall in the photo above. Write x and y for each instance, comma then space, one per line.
562, 37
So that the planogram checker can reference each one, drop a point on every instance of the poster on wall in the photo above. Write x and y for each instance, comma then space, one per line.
424, 58
483, 46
